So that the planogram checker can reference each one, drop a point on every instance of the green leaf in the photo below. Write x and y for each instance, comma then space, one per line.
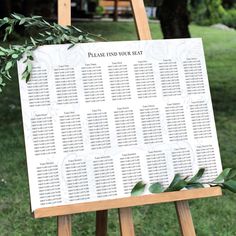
231, 174
81, 37
176, 178
71, 46
156, 188
194, 185
6, 19
14, 56
8, 74
50, 38
33, 41
6, 33
197, 177
11, 29
138, 189
8, 65
3, 49
22, 21
223, 175
31, 57
177, 184
16, 16
52, 33
27, 77
2, 53
37, 17
29, 67
230, 185
2, 22
76, 29
45, 22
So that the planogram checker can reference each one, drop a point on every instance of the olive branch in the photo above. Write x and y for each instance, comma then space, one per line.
225, 180
48, 33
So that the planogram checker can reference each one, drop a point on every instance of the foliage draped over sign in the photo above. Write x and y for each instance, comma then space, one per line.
225, 180
47, 34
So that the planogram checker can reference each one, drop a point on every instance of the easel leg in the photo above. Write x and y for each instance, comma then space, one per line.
101, 223
126, 222
64, 225
64, 12
185, 218
141, 20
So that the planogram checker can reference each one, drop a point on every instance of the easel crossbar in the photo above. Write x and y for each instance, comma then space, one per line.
128, 202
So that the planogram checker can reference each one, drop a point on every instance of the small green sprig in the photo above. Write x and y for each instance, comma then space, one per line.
8, 59
225, 180
48, 33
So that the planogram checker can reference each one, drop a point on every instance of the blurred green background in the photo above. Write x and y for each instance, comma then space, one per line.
212, 217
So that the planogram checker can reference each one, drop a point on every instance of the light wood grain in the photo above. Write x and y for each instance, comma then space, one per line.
64, 18
185, 218
141, 20
128, 202
110, 4
101, 223
64, 12
126, 222
64, 225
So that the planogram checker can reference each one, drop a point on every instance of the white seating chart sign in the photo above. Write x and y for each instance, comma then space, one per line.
100, 117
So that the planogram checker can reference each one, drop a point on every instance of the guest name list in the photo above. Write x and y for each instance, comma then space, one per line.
100, 117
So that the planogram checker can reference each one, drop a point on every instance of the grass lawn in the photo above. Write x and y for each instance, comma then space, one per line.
212, 217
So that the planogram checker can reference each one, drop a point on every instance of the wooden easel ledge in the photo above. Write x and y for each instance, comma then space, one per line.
128, 202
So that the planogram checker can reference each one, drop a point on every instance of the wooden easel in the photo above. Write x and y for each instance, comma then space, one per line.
124, 205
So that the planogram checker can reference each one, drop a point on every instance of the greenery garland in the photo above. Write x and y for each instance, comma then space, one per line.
225, 180
47, 34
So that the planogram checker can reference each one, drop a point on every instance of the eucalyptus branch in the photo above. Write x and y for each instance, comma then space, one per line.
47, 34
225, 180
8, 59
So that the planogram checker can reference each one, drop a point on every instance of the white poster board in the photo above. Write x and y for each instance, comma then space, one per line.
100, 117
